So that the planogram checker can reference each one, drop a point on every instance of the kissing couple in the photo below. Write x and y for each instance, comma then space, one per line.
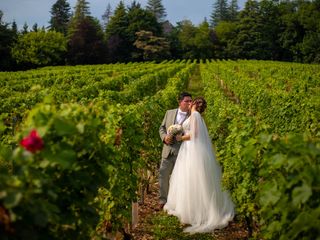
193, 193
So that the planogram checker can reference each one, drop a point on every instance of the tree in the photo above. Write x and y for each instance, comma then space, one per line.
85, 37
186, 35
225, 32
117, 35
86, 45
140, 19
220, 12
233, 10
40, 49
60, 16
310, 48
14, 27
309, 17
194, 42
35, 27
7, 39
176, 51
270, 29
300, 30
153, 48
249, 42
203, 42
107, 15
82, 9
156, 7
118, 22
81, 12
25, 28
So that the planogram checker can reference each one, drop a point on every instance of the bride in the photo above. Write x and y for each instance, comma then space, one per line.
195, 194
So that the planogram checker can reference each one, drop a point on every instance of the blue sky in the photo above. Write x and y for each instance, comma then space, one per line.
38, 11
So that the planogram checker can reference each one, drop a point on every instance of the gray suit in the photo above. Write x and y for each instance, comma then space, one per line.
169, 154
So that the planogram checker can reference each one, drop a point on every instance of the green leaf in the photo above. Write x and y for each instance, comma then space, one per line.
301, 194
299, 224
64, 127
5, 152
65, 158
80, 127
12, 199
275, 226
2, 127
44, 163
278, 160
270, 194
39, 119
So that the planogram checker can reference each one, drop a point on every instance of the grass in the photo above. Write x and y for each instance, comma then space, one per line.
195, 83
164, 226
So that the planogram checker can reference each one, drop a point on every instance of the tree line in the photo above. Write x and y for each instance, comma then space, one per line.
267, 30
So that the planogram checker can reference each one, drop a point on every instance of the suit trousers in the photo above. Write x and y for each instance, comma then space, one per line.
165, 171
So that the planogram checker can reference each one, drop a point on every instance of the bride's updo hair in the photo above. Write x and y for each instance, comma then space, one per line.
200, 103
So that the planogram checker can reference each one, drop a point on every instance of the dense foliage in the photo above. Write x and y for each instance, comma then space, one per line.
93, 140
268, 30
77, 173
265, 124
40, 48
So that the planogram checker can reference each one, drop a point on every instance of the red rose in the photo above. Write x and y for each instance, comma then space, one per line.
33, 142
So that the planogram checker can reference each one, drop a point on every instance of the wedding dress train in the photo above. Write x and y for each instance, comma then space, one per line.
195, 193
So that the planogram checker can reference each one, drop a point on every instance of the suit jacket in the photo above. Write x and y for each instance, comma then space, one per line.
168, 120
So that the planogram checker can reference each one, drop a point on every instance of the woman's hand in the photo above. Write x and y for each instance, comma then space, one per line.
179, 137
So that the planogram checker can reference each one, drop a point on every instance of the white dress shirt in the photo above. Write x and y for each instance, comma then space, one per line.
181, 116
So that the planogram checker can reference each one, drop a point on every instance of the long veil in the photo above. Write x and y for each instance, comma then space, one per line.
195, 194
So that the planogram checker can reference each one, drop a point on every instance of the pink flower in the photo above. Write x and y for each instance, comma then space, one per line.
33, 142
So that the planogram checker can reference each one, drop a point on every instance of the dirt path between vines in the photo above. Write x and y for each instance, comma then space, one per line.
148, 210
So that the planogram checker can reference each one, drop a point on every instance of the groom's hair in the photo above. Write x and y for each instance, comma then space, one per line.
183, 95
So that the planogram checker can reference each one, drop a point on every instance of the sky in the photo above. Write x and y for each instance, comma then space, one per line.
38, 11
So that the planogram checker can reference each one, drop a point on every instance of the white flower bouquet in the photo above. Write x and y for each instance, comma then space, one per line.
175, 129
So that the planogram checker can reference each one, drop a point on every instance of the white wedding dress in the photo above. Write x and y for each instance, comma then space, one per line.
195, 193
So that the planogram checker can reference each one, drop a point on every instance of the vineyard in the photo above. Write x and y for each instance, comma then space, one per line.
98, 144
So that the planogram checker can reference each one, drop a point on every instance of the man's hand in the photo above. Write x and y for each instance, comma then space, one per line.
168, 139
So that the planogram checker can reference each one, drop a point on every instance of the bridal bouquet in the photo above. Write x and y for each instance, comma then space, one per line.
175, 129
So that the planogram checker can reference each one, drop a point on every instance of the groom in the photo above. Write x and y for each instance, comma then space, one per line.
171, 147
